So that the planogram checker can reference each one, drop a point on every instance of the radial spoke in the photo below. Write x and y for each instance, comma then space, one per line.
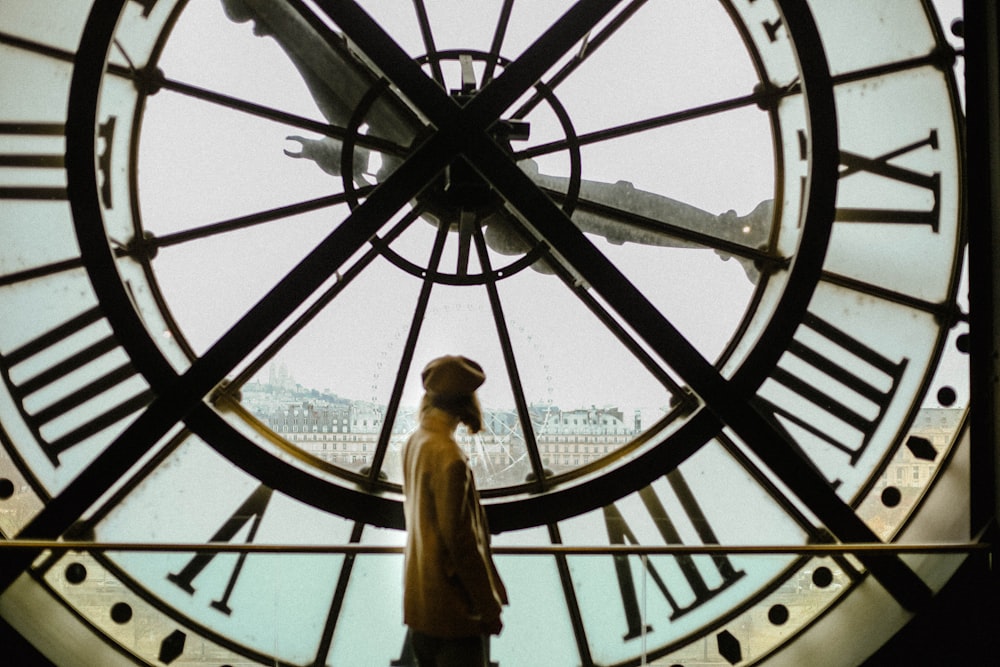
317, 307
498, 36
419, 313
764, 97
942, 310
523, 413
466, 223
276, 115
36, 47
430, 49
146, 247
624, 226
657, 122
587, 49
40, 271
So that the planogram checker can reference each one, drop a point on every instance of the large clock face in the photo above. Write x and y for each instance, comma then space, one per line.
709, 255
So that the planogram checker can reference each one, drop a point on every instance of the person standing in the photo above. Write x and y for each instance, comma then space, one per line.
452, 592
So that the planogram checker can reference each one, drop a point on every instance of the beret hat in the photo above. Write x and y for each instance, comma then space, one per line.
452, 375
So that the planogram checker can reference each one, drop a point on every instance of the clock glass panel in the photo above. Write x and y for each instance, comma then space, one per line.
478, 286
709, 254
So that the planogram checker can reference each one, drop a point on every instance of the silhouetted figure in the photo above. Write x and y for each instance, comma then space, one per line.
452, 594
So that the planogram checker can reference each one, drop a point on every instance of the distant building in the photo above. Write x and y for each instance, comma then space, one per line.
346, 433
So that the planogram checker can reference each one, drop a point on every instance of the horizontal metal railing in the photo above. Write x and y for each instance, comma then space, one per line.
555, 549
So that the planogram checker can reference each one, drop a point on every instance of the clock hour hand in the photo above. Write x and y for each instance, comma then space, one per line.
337, 75
328, 154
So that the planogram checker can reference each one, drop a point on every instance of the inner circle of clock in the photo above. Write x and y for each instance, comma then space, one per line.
459, 199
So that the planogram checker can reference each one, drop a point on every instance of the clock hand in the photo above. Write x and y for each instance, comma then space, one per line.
338, 81
337, 76
148, 245
622, 213
328, 154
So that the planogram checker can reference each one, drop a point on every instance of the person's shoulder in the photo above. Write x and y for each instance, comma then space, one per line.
442, 448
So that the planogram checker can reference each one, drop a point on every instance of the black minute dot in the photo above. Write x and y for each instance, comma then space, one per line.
76, 573
891, 496
822, 577
778, 614
946, 396
121, 613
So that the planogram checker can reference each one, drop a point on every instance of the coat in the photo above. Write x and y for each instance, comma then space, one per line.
451, 586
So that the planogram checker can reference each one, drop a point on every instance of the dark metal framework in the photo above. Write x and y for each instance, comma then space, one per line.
463, 131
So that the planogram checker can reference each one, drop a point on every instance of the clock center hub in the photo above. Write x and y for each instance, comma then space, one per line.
461, 188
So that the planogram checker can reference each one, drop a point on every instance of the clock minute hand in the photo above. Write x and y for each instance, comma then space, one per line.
622, 213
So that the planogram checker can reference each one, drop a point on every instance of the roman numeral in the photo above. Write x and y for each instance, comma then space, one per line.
74, 370
106, 131
836, 388
771, 28
852, 163
695, 587
252, 511
147, 6
44, 157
